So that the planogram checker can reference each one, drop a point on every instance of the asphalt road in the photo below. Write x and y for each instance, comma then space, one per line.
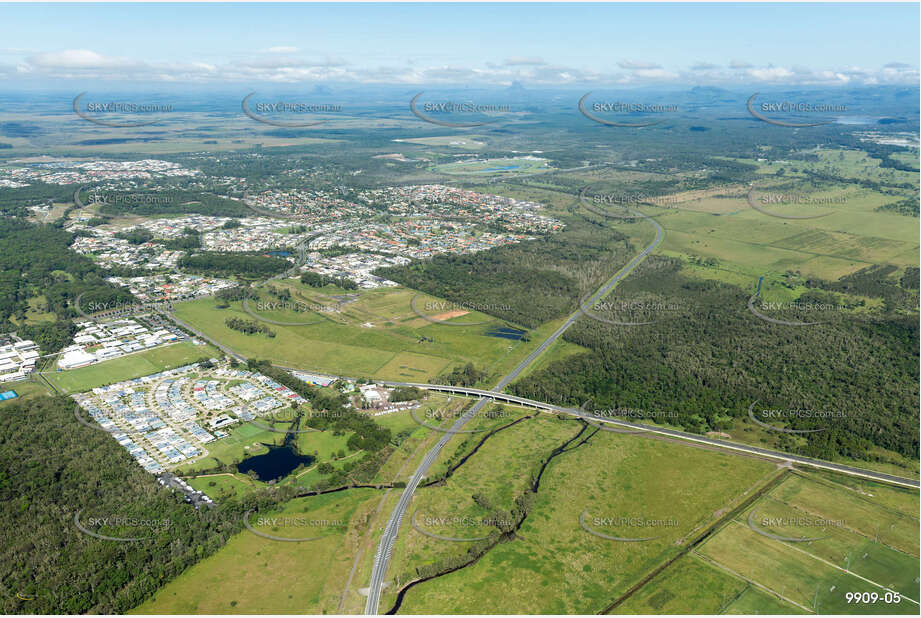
385, 547
497, 395
734, 446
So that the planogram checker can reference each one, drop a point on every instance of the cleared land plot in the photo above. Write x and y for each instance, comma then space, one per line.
252, 574
25, 389
853, 236
692, 586
842, 551
399, 345
222, 485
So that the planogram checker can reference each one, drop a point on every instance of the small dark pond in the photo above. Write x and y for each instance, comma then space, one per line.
277, 463
508, 333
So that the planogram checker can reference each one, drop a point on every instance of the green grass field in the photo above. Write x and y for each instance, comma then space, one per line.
506, 166
25, 389
553, 565
859, 544
223, 485
720, 224
243, 441
377, 336
252, 574
130, 366
692, 586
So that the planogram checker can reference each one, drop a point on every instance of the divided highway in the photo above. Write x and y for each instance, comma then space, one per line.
683, 435
385, 548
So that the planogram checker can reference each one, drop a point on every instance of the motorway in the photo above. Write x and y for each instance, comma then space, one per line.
385, 547
683, 435
497, 395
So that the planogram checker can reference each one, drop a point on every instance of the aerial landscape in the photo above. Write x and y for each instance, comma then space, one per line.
460, 308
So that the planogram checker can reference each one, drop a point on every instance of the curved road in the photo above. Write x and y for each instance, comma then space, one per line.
385, 547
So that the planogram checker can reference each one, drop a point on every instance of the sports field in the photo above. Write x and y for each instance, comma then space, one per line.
130, 366
505, 166
811, 539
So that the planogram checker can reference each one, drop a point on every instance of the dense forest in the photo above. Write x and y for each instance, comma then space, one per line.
51, 467
36, 264
176, 201
316, 280
13, 201
244, 265
708, 358
527, 283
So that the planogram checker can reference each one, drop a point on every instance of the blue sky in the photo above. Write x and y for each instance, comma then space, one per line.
546, 44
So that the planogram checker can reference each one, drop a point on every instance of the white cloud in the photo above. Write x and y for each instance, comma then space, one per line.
636, 65
284, 65
79, 59
519, 61
770, 74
